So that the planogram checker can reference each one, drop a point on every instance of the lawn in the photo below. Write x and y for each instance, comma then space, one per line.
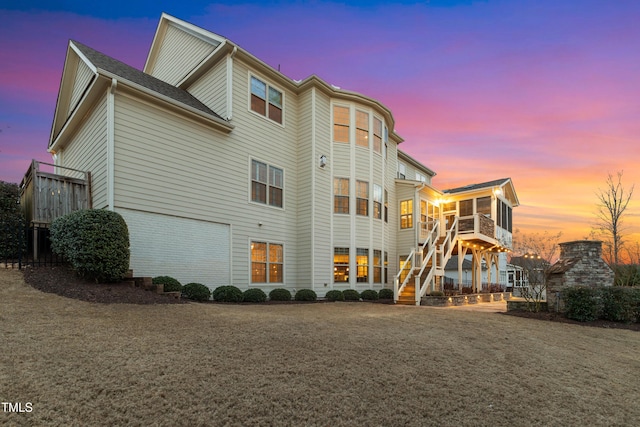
330, 364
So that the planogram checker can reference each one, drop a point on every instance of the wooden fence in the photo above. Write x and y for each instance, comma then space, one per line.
46, 196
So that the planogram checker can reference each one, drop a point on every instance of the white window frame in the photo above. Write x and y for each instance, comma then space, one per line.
268, 86
267, 263
268, 184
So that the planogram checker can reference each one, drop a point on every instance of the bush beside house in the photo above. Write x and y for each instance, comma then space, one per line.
11, 221
95, 242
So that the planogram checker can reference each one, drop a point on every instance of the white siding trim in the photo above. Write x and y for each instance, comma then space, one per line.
314, 157
111, 144
230, 84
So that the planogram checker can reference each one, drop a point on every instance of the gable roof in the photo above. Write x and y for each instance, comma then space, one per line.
504, 184
127, 72
472, 187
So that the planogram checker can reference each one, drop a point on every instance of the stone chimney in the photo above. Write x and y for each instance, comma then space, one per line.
580, 264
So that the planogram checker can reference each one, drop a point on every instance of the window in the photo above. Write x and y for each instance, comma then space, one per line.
362, 198
466, 207
406, 214
362, 262
377, 201
341, 120
341, 195
483, 205
270, 106
377, 266
362, 128
266, 262
504, 215
386, 205
386, 141
402, 171
386, 267
424, 224
420, 177
263, 190
377, 135
340, 265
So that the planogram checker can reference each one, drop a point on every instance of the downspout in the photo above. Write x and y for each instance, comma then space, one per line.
111, 144
230, 83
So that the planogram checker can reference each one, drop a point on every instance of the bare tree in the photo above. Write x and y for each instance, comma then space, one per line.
535, 253
612, 203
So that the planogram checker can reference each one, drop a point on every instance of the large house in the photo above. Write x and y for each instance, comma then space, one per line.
228, 172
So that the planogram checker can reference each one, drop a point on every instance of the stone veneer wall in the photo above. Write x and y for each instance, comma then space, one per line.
580, 264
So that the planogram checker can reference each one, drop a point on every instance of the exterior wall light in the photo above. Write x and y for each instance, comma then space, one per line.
323, 161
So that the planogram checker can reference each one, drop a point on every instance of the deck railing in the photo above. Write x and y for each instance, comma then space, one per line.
46, 196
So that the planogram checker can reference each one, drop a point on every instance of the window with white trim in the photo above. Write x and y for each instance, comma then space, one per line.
406, 214
362, 128
377, 266
267, 262
341, 123
377, 201
341, 195
377, 135
340, 265
362, 263
267, 184
402, 170
362, 198
266, 100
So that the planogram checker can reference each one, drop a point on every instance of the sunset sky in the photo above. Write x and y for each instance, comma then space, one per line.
546, 92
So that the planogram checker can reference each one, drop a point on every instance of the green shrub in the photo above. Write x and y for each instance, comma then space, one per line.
254, 295
227, 294
334, 295
12, 221
169, 283
95, 242
618, 304
369, 295
436, 294
351, 295
196, 292
280, 294
385, 293
306, 295
581, 303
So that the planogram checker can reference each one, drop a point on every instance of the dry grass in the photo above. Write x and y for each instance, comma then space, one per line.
329, 364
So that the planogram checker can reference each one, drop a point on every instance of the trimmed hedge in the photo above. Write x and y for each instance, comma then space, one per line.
95, 242
306, 295
369, 295
351, 295
385, 293
280, 294
169, 283
196, 292
581, 303
227, 294
254, 295
334, 295
614, 303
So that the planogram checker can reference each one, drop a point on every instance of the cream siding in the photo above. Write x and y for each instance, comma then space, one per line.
86, 150
323, 194
179, 55
305, 183
82, 79
168, 164
211, 89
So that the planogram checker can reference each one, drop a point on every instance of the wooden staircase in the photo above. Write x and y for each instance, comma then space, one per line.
434, 253
408, 295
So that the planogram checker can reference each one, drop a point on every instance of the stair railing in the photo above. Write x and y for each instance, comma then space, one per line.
397, 286
444, 254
